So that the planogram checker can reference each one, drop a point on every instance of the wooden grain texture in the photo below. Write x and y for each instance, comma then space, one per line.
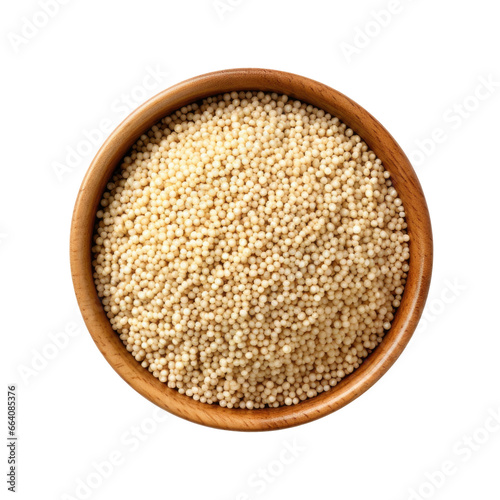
378, 139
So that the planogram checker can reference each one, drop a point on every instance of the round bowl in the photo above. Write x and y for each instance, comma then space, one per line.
404, 180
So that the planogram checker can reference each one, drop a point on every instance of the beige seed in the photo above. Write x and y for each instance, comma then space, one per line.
251, 251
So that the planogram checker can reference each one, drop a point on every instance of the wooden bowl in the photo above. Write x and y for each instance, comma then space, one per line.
377, 138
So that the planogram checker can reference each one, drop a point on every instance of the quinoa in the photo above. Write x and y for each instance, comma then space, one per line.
250, 251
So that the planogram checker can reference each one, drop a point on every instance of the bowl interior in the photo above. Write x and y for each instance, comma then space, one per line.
377, 138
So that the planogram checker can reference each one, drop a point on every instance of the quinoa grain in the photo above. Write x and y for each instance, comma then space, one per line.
250, 251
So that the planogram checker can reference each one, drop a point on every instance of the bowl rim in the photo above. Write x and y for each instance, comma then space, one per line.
377, 138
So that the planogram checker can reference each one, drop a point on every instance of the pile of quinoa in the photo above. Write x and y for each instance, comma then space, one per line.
250, 251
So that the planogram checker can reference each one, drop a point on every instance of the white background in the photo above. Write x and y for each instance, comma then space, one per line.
74, 410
